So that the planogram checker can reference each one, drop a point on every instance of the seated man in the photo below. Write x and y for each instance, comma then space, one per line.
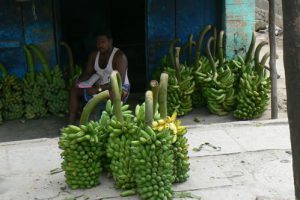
101, 63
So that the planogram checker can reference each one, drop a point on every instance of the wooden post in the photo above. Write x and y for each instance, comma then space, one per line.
291, 52
272, 39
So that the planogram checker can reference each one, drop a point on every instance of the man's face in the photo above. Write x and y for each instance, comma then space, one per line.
103, 43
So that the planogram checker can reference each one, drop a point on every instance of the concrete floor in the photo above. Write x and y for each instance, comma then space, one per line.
253, 162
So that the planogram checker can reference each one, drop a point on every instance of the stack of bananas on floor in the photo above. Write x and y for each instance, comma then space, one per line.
180, 92
35, 105
254, 87
11, 96
54, 85
219, 82
82, 148
56, 93
179, 145
119, 147
201, 66
181, 83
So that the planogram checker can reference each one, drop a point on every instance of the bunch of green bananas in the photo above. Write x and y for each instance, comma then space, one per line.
179, 145
219, 82
119, 147
35, 105
56, 93
254, 87
11, 96
180, 92
82, 148
202, 66
153, 163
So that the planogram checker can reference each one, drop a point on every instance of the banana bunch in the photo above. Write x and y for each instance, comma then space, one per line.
11, 96
253, 96
180, 92
56, 93
179, 145
254, 87
219, 82
82, 148
153, 163
119, 147
35, 104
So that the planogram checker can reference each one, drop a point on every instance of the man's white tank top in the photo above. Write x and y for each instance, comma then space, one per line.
106, 72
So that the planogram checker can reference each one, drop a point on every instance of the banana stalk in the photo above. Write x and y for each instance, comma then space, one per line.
38, 52
70, 56
91, 105
171, 50
177, 64
116, 83
149, 108
30, 63
199, 43
155, 90
250, 52
3, 70
221, 48
163, 90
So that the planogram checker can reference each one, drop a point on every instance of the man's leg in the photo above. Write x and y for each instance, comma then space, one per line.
74, 100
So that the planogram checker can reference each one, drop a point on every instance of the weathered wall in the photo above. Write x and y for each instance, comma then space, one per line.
238, 22
262, 13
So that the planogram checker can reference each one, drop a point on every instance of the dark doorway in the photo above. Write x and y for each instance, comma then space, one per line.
80, 20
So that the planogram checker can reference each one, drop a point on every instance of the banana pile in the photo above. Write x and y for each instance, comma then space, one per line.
179, 145
180, 92
119, 147
56, 93
11, 96
154, 161
82, 148
254, 88
219, 82
35, 104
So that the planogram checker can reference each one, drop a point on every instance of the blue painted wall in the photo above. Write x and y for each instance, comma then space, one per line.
171, 19
19, 27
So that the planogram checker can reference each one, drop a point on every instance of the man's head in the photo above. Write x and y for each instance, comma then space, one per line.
104, 41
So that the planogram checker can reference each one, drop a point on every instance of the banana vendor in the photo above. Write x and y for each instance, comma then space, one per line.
96, 77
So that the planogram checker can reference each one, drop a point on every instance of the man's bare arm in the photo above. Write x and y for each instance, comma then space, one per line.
120, 64
89, 70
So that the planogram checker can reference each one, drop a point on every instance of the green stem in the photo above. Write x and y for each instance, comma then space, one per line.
3, 70
43, 60
171, 50
177, 64
116, 85
215, 32
155, 90
91, 105
70, 56
30, 63
250, 52
257, 52
210, 57
163, 92
262, 65
191, 44
199, 43
149, 108
220, 48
